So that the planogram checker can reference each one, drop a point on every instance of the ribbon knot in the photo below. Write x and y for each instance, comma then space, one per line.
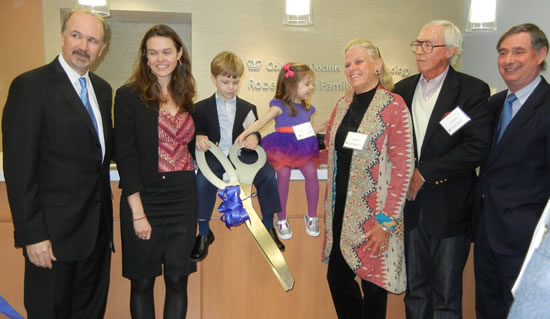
288, 73
231, 208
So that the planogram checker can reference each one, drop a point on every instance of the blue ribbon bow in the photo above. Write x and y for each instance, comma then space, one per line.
233, 212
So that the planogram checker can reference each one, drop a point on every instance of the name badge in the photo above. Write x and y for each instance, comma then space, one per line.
454, 120
303, 131
355, 140
250, 118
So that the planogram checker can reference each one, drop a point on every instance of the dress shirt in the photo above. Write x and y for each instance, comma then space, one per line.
523, 94
226, 118
74, 78
430, 86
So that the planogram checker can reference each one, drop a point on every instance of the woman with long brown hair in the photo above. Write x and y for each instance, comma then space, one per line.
153, 126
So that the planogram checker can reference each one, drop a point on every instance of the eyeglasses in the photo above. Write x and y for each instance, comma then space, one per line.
427, 46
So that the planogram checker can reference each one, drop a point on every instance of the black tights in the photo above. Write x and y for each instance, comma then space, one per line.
142, 305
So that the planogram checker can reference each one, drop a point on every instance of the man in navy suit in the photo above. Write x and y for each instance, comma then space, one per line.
514, 181
437, 215
57, 148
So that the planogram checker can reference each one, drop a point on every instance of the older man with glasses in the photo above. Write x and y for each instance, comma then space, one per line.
452, 136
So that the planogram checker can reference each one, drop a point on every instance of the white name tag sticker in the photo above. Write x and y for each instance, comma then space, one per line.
250, 118
355, 140
454, 120
303, 131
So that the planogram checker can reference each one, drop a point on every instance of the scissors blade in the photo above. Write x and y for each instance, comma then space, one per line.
247, 172
265, 243
207, 171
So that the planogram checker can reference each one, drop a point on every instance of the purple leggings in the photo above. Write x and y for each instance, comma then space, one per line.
309, 170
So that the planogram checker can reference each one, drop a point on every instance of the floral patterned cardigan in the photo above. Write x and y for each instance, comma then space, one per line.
379, 178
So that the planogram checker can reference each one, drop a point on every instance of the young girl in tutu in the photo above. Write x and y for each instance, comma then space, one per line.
294, 144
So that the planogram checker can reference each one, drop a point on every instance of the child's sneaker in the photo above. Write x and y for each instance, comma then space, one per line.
312, 225
283, 229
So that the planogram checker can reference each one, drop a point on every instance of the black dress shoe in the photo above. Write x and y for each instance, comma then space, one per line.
273, 234
200, 250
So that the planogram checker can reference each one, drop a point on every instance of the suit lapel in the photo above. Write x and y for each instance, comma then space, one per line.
66, 90
525, 113
444, 104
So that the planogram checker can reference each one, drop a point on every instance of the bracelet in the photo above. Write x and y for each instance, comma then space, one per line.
387, 223
142, 217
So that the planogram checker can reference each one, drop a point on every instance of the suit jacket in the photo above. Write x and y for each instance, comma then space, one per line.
448, 162
206, 118
514, 181
136, 142
207, 123
56, 180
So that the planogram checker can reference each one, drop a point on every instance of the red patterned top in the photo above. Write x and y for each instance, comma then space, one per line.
175, 132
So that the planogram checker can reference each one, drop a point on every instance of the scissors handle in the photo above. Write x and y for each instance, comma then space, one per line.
207, 171
247, 172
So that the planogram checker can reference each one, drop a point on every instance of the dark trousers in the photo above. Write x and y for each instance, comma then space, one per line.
434, 274
265, 182
71, 289
495, 275
346, 294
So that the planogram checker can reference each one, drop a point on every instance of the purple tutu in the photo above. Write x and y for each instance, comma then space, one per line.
283, 149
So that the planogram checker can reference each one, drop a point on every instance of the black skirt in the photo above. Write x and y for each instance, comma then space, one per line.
170, 209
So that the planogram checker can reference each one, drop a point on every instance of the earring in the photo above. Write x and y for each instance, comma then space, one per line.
377, 72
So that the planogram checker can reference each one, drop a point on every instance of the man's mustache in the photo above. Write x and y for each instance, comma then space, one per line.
82, 53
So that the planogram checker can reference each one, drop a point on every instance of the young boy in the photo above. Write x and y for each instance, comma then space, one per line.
220, 119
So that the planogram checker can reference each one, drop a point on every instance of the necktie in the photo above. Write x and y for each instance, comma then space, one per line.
86, 101
506, 115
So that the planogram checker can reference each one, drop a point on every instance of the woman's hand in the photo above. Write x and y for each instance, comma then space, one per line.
202, 143
142, 228
377, 240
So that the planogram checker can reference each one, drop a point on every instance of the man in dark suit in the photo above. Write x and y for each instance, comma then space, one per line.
514, 181
438, 211
57, 148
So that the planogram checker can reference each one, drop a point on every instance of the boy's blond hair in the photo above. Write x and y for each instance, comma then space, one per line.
228, 64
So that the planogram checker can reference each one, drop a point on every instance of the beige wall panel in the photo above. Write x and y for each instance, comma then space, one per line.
253, 30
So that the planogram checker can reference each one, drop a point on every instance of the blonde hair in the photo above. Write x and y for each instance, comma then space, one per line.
288, 85
227, 63
384, 77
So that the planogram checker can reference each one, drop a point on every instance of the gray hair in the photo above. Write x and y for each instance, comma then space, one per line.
452, 35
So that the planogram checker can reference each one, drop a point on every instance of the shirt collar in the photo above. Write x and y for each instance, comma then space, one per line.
232, 101
71, 73
430, 86
524, 93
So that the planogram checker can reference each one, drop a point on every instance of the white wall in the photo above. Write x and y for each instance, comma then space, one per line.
480, 55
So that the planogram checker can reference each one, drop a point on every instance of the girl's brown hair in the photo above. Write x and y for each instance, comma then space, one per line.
287, 85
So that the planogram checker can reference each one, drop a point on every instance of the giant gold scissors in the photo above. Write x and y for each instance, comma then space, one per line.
245, 178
